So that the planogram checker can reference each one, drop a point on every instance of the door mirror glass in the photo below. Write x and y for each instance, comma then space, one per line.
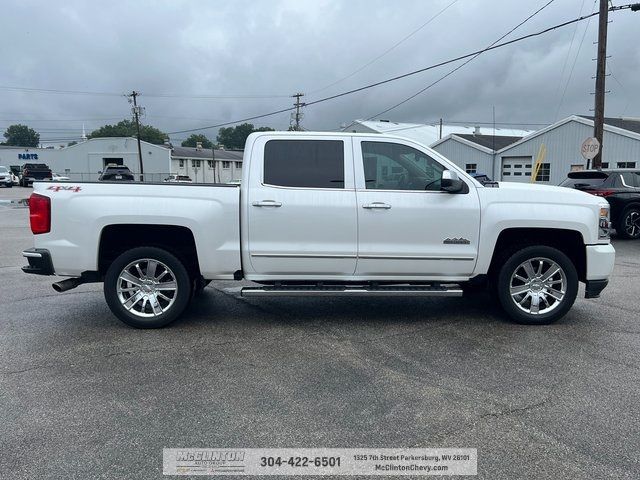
450, 182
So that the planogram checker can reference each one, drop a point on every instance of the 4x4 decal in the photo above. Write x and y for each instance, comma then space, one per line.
57, 188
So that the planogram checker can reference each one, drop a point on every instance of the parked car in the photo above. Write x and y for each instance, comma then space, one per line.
621, 188
32, 172
16, 171
324, 213
5, 177
483, 178
178, 179
58, 178
116, 173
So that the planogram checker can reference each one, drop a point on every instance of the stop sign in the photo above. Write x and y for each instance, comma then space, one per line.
590, 148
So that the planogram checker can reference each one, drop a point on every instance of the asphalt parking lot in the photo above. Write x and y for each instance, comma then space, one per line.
83, 396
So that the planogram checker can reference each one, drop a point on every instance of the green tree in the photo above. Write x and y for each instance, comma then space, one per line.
235, 137
194, 138
21, 136
127, 128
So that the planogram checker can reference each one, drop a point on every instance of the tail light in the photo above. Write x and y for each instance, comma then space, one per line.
39, 213
601, 193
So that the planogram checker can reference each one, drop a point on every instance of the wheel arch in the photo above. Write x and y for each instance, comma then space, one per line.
569, 242
116, 239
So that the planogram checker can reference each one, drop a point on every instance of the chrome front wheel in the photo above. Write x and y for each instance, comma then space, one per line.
538, 285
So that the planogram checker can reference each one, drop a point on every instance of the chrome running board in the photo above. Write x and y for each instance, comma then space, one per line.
351, 291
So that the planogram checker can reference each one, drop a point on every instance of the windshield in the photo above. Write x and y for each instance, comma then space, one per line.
4, 170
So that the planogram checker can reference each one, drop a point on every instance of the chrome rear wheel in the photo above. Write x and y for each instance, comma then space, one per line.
147, 287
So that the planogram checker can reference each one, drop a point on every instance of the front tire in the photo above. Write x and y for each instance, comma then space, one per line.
147, 287
537, 285
630, 223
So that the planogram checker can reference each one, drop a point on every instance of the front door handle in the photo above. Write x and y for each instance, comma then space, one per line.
267, 203
384, 206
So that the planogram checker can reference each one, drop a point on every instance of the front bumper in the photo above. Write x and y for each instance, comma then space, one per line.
39, 261
600, 261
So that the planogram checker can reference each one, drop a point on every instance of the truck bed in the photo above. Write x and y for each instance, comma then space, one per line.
80, 211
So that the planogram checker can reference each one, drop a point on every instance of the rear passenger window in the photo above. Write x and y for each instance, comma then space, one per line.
304, 163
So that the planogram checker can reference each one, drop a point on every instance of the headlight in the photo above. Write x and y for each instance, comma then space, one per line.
604, 224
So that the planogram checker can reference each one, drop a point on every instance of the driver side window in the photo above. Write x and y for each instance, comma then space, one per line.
392, 166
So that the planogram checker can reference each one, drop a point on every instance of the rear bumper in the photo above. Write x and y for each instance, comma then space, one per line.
39, 261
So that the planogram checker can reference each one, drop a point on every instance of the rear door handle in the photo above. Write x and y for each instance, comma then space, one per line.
384, 206
267, 203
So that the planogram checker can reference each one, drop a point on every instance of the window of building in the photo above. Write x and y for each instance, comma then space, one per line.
410, 169
544, 173
471, 167
226, 164
210, 164
604, 164
238, 164
196, 163
626, 165
181, 163
304, 163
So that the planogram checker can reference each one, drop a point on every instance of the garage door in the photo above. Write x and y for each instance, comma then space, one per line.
516, 169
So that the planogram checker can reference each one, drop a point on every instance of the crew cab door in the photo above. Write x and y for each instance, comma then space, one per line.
301, 208
407, 226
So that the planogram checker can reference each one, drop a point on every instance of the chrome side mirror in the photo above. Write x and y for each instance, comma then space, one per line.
451, 182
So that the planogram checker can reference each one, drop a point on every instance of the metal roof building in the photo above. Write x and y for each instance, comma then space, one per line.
512, 158
427, 134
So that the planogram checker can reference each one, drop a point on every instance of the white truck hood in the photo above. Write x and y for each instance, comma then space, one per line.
545, 194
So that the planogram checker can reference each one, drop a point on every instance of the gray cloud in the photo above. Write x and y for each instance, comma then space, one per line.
280, 47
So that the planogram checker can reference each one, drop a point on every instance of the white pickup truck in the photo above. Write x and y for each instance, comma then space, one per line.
324, 214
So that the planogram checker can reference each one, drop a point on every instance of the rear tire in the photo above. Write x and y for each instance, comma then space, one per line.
537, 285
630, 223
147, 287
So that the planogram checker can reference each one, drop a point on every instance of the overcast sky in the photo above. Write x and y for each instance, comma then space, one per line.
173, 51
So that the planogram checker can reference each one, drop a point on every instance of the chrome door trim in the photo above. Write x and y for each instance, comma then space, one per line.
413, 257
301, 255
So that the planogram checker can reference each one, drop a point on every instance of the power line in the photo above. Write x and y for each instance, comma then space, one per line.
153, 95
387, 50
462, 64
404, 75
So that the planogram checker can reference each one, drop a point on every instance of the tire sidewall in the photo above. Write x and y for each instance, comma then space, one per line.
507, 270
183, 294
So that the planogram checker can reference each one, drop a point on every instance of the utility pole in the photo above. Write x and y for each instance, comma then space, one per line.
137, 111
298, 115
601, 72
440, 135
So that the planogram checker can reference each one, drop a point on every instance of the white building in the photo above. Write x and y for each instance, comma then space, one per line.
561, 142
204, 166
86, 160
427, 134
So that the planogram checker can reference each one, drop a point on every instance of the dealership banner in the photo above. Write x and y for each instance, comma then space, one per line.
320, 461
